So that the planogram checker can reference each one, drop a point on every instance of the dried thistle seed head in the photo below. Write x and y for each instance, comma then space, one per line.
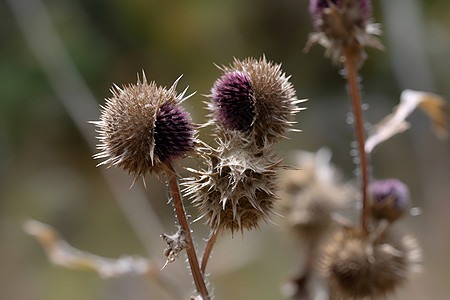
358, 265
233, 101
388, 199
142, 126
343, 24
311, 194
272, 94
236, 190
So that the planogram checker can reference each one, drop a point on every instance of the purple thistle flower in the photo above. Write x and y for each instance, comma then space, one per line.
174, 135
233, 97
390, 198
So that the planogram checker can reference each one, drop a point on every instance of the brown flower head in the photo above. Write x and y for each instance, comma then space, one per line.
310, 195
237, 189
343, 24
254, 97
143, 126
360, 266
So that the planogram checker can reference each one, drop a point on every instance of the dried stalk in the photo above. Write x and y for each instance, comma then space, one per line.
208, 249
181, 215
355, 96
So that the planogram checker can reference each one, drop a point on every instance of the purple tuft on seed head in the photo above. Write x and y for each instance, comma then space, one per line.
390, 198
317, 7
366, 8
233, 98
174, 134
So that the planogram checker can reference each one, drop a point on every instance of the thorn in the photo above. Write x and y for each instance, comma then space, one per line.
143, 181
165, 265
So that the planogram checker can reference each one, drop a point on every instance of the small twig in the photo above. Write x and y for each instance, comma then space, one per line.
355, 96
181, 215
208, 249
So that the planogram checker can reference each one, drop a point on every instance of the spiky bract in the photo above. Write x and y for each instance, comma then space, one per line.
359, 265
343, 24
274, 98
142, 126
237, 189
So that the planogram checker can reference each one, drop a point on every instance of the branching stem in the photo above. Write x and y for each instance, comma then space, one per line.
181, 215
208, 249
355, 96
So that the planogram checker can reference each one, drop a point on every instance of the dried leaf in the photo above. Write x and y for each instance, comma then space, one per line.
175, 244
433, 105
436, 108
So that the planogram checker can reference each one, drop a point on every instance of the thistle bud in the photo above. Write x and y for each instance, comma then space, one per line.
236, 190
254, 96
343, 24
368, 266
143, 126
388, 199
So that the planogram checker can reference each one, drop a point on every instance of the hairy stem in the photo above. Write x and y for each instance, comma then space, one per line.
208, 249
181, 215
302, 280
355, 96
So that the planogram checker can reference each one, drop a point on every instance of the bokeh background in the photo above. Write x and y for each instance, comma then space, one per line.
58, 59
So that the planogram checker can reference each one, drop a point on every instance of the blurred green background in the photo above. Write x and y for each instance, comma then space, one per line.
56, 57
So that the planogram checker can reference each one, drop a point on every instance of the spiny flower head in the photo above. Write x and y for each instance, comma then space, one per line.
343, 24
388, 199
237, 189
310, 194
143, 126
358, 265
256, 97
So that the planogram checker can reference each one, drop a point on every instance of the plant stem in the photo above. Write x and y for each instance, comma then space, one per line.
181, 215
355, 96
302, 280
208, 249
